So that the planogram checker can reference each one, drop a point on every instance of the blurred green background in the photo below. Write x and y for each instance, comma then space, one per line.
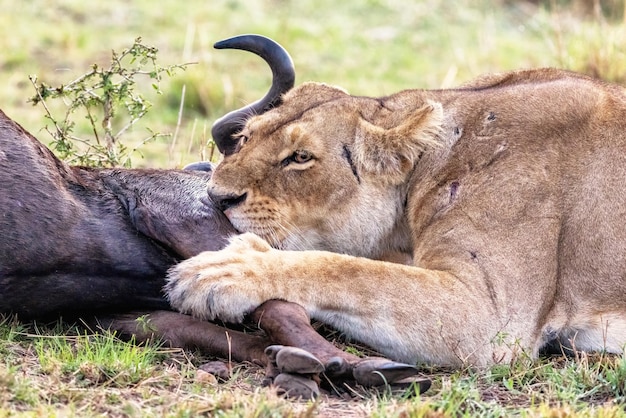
370, 47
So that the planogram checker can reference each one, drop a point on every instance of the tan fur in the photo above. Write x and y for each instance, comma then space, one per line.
509, 192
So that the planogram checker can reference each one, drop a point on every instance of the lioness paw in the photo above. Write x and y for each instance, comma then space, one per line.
224, 284
248, 242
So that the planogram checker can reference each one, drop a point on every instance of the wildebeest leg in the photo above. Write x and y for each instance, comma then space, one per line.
288, 324
184, 331
285, 323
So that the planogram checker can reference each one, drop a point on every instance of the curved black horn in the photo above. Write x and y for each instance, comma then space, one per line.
283, 78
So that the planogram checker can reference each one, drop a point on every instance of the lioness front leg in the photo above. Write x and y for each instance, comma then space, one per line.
407, 313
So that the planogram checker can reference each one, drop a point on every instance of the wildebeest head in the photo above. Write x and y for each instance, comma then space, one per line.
76, 238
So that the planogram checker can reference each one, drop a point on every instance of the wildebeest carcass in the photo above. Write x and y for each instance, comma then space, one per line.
85, 242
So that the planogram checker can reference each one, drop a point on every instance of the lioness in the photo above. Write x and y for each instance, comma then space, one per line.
508, 192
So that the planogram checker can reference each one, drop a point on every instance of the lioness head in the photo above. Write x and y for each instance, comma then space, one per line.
325, 170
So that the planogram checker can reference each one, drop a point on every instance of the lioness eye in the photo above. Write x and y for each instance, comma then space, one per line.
298, 157
301, 156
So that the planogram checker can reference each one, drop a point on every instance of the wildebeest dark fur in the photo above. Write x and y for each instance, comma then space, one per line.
77, 240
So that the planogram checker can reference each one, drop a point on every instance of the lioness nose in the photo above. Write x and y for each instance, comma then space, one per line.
226, 201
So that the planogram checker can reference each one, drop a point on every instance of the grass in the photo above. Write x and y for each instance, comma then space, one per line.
370, 47
60, 370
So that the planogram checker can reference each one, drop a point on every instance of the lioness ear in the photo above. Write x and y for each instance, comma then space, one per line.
392, 152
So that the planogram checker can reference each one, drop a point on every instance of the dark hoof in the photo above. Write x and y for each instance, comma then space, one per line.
421, 384
294, 386
272, 350
377, 372
218, 369
297, 360
337, 366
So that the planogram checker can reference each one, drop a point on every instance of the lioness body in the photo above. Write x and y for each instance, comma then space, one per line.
509, 193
